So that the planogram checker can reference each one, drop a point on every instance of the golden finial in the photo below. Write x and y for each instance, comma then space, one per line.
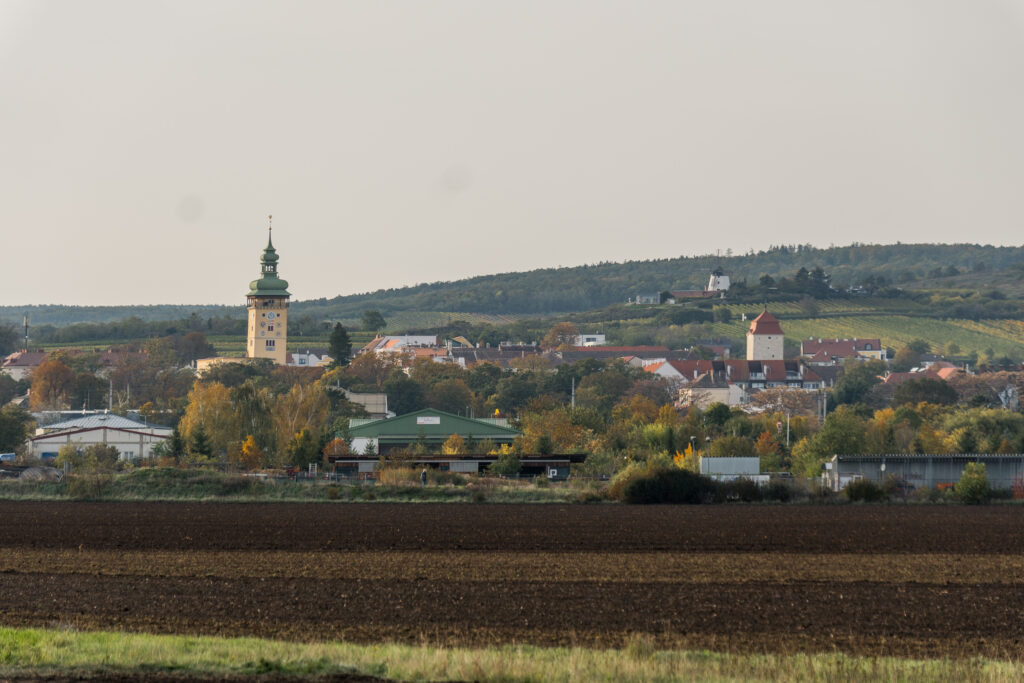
270, 222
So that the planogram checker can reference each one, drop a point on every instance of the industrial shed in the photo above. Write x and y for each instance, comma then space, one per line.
429, 427
551, 466
922, 470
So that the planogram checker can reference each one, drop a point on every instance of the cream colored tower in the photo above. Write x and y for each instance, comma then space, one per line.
268, 311
764, 338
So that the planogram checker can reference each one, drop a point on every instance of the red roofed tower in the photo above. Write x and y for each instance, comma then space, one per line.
765, 338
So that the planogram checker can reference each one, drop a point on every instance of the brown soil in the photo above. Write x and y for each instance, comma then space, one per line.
921, 581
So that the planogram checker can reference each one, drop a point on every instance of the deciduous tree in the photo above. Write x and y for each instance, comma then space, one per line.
52, 381
561, 335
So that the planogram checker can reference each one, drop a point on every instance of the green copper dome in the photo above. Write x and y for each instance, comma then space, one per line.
269, 283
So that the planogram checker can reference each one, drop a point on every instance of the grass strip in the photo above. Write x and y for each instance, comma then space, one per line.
45, 652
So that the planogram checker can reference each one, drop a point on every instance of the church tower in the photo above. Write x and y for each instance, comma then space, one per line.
268, 311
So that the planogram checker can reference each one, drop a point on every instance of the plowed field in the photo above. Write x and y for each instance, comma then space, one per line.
903, 580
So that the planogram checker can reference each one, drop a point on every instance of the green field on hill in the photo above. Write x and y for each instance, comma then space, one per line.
895, 331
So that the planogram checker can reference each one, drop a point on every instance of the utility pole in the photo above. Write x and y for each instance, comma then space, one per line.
573, 404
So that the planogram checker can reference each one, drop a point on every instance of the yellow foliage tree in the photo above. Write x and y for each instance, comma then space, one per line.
455, 445
251, 456
638, 409
555, 425
335, 448
209, 406
303, 407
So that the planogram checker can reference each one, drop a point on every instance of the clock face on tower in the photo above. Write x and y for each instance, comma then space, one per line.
271, 315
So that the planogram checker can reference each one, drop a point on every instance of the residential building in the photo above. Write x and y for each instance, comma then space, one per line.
375, 405
310, 358
502, 355
764, 338
589, 339
400, 342
20, 364
834, 351
702, 382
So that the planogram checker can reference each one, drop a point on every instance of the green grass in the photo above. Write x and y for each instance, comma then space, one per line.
174, 485
33, 652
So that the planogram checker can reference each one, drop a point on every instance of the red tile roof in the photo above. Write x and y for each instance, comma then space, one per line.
766, 323
839, 348
622, 349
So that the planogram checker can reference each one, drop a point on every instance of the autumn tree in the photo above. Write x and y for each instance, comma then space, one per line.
454, 445
562, 335
252, 405
786, 400
304, 448
551, 430
767, 449
250, 456
51, 383
373, 368
211, 410
335, 448
304, 408
451, 395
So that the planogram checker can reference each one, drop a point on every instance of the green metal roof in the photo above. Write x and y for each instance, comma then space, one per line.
269, 284
432, 425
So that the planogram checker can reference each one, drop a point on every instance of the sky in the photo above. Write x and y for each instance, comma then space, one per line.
144, 144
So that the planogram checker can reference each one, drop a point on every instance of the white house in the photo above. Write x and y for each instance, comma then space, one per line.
590, 340
20, 364
310, 358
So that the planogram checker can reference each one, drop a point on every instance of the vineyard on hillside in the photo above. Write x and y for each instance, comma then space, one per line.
1001, 336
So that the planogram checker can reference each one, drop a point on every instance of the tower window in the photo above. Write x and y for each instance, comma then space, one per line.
270, 343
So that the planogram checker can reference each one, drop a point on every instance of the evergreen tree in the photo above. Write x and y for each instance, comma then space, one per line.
200, 442
340, 346
176, 445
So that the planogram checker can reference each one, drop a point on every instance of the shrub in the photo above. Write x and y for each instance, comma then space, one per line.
864, 490
450, 478
973, 486
742, 489
778, 491
398, 476
670, 485
590, 496
507, 464
333, 493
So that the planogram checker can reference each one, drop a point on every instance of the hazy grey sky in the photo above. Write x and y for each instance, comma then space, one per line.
142, 143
